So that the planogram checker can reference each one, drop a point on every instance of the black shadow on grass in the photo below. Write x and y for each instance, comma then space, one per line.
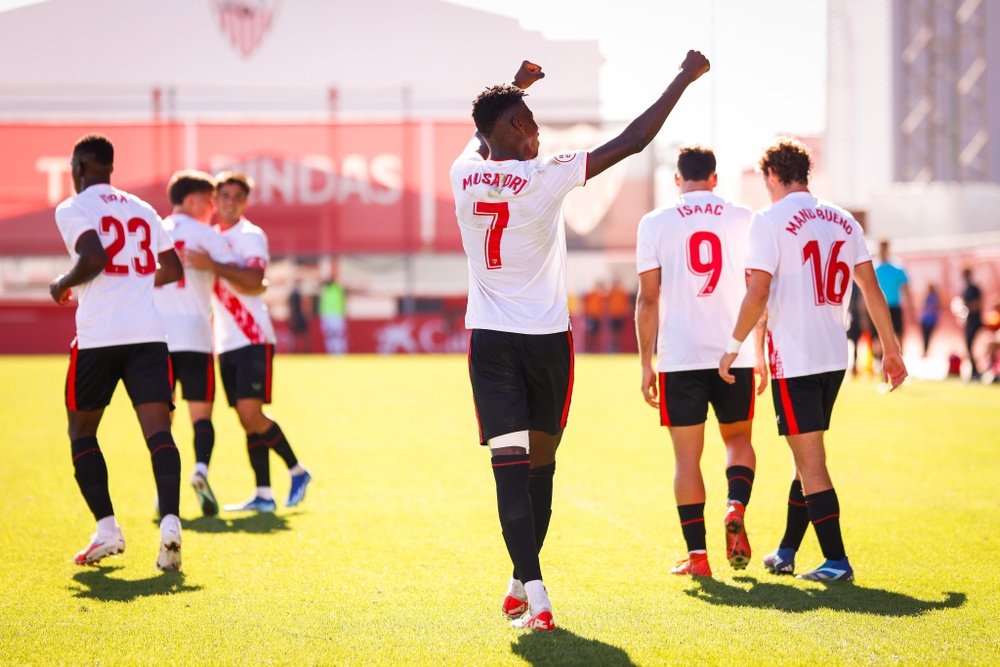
261, 524
562, 647
836, 596
95, 584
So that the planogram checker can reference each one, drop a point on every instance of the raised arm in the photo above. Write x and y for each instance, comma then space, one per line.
90, 262
643, 129
892, 360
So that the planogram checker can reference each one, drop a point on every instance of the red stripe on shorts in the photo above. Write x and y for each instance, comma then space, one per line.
664, 413
71, 377
210, 380
786, 407
268, 351
569, 386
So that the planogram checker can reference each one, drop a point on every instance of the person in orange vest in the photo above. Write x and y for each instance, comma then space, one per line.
620, 307
594, 311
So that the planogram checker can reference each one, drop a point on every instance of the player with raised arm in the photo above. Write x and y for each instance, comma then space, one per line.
804, 253
690, 258
244, 340
508, 203
120, 251
186, 307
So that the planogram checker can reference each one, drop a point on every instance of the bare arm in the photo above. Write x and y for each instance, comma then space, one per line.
892, 361
760, 364
170, 268
643, 129
247, 280
647, 319
91, 261
751, 311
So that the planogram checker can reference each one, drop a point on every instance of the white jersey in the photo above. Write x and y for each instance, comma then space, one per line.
186, 305
242, 320
700, 247
116, 307
510, 216
810, 247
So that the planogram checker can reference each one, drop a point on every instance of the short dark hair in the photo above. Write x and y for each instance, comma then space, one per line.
491, 103
696, 163
97, 145
789, 159
188, 182
234, 177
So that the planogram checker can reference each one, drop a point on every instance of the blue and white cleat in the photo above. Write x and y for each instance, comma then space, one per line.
255, 504
780, 561
831, 570
298, 491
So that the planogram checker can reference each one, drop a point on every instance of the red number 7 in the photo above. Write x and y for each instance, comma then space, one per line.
500, 212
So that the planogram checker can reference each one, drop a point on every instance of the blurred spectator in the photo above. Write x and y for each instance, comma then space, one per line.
621, 306
930, 314
332, 316
894, 282
991, 321
298, 322
860, 327
972, 299
594, 310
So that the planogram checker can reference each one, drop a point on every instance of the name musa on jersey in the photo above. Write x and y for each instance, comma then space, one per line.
116, 307
510, 216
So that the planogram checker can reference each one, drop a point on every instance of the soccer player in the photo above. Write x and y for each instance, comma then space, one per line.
803, 255
509, 208
120, 251
244, 340
186, 307
690, 259
895, 286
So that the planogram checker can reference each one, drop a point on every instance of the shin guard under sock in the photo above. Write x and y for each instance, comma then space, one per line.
258, 452
693, 525
511, 473
824, 513
204, 440
740, 483
166, 470
797, 519
275, 439
91, 474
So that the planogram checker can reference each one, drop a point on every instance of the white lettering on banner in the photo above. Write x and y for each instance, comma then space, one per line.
56, 170
312, 179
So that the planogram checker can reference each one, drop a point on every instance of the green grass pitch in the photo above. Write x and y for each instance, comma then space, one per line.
396, 555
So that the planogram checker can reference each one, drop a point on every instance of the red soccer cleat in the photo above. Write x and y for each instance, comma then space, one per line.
695, 565
540, 622
514, 607
737, 543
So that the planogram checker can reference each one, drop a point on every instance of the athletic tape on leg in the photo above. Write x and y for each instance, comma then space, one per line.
516, 439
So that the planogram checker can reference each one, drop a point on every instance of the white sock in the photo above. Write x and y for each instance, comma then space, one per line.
297, 469
201, 469
170, 522
516, 588
108, 527
698, 551
538, 598
265, 493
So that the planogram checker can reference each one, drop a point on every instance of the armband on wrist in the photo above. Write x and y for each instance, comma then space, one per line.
734, 346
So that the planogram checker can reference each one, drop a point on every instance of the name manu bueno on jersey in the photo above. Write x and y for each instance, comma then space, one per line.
805, 215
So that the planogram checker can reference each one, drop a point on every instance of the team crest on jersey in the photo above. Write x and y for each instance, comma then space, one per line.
565, 157
245, 22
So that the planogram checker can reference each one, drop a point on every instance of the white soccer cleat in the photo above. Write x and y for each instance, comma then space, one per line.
100, 547
540, 622
170, 543
515, 603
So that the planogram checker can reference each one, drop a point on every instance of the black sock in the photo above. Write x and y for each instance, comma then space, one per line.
204, 440
740, 483
693, 525
257, 450
276, 440
514, 506
92, 476
166, 470
540, 490
824, 513
797, 519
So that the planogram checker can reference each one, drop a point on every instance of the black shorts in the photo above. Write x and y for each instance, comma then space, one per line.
520, 382
685, 395
196, 373
896, 313
805, 404
246, 372
94, 374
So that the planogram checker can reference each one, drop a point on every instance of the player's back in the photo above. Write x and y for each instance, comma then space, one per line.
810, 247
510, 216
186, 305
116, 307
700, 246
